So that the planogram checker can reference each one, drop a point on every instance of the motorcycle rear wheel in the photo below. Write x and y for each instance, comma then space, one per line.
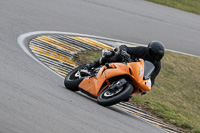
111, 100
71, 82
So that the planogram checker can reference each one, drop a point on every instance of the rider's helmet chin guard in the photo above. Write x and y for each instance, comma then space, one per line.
156, 50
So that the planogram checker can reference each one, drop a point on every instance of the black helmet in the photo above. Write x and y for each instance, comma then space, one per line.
156, 50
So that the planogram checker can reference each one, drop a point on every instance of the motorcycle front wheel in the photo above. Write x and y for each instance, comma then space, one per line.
108, 98
72, 82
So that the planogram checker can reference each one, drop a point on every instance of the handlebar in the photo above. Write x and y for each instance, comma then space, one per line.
129, 59
125, 56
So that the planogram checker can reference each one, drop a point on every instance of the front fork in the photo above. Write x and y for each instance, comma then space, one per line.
119, 84
116, 86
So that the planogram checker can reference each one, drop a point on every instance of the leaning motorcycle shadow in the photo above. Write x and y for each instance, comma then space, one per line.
112, 108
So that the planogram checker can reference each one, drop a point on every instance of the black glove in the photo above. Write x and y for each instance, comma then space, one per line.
125, 54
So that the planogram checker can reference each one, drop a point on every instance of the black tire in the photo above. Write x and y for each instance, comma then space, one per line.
124, 94
71, 82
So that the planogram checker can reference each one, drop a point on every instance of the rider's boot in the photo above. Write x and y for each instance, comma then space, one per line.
93, 64
105, 57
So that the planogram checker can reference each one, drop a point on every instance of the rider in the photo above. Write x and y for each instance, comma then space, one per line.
153, 53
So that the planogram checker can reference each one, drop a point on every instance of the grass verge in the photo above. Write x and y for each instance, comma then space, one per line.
175, 97
185, 5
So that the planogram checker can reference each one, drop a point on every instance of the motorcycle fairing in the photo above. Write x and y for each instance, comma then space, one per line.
94, 85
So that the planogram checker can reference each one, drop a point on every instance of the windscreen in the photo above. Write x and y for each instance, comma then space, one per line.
148, 69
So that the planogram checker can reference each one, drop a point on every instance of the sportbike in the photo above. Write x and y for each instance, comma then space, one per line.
113, 82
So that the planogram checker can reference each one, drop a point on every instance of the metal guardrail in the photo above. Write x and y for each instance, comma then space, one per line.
56, 52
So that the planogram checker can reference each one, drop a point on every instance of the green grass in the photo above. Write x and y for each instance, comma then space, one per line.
175, 97
86, 56
176, 93
186, 5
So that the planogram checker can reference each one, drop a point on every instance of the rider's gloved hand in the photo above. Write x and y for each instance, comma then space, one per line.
125, 54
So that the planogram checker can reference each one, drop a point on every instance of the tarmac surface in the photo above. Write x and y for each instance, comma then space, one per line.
33, 99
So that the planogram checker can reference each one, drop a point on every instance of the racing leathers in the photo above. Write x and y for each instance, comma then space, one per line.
132, 52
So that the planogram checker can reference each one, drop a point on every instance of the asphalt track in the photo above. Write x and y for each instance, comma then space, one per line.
33, 99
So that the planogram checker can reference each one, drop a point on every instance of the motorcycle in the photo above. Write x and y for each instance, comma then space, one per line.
113, 82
